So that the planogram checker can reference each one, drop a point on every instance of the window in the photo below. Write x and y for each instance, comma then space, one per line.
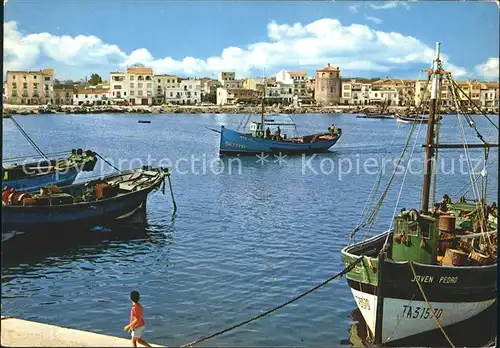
117, 87
86, 96
25, 85
24, 77
413, 229
148, 85
132, 93
34, 77
132, 85
171, 94
159, 81
47, 78
14, 85
131, 77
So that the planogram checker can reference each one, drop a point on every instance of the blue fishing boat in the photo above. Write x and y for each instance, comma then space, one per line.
260, 139
59, 171
233, 142
87, 204
33, 174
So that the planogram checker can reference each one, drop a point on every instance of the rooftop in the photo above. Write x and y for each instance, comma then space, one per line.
330, 68
140, 70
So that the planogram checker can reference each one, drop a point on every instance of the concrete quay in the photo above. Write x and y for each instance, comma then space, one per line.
24, 333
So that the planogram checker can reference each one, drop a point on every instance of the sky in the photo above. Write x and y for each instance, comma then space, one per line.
199, 38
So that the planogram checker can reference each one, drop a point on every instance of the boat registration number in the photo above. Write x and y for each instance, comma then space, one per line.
417, 312
230, 144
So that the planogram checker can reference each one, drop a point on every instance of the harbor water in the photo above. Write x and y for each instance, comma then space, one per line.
249, 233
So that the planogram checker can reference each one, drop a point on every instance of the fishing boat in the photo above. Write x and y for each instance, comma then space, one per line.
33, 174
432, 268
375, 116
86, 204
412, 119
261, 140
57, 171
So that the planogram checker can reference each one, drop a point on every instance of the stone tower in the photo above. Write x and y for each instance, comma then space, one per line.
327, 89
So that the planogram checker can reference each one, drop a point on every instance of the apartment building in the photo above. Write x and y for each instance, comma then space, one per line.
118, 86
355, 92
490, 96
63, 94
140, 85
299, 80
165, 88
231, 96
25, 87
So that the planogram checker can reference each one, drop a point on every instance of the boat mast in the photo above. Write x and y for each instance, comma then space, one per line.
262, 111
429, 151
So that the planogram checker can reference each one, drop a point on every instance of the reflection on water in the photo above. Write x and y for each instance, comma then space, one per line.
479, 331
242, 242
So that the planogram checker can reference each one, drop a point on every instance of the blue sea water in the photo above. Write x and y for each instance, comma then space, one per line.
249, 233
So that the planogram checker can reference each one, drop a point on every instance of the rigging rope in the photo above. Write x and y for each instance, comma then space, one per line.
344, 271
471, 101
372, 216
402, 185
376, 183
430, 306
28, 138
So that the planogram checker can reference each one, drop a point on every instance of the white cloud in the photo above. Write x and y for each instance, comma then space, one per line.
375, 20
356, 47
389, 4
354, 8
489, 70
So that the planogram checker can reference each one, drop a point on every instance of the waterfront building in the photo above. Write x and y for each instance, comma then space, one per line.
63, 94
328, 86
355, 92
118, 87
30, 87
209, 90
231, 96
91, 96
140, 80
299, 81
164, 86
384, 92
190, 91
254, 83
490, 96
48, 86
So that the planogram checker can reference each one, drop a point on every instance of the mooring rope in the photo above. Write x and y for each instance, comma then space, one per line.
107, 162
430, 306
346, 270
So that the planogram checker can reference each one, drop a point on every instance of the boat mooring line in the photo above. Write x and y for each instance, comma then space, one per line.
430, 307
106, 161
344, 271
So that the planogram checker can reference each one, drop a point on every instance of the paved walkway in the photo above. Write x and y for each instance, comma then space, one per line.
23, 333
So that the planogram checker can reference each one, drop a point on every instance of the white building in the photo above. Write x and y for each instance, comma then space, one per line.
118, 86
299, 81
164, 87
190, 92
355, 92
91, 96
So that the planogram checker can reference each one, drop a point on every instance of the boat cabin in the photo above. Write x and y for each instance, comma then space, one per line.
257, 129
415, 238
